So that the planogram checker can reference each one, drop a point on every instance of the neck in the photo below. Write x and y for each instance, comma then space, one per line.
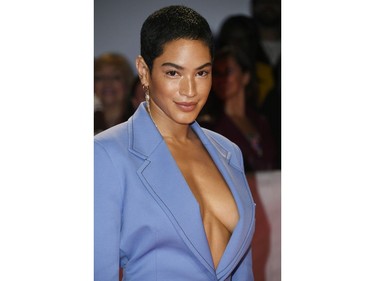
236, 106
113, 114
168, 128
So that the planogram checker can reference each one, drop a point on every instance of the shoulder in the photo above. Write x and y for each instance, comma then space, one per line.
113, 138
111, 152
212, 135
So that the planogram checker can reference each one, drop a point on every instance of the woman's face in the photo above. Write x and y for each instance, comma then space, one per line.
180, 81
228, 78
109, 86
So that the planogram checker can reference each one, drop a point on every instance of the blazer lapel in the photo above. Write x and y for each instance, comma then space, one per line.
169, 188
241, 237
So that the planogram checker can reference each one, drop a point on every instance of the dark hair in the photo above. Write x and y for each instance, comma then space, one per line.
243, 60
173, 23
241, 31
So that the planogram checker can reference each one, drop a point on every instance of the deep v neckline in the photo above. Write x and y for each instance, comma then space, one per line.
218, 223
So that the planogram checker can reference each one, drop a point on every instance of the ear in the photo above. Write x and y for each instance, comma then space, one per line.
143, 71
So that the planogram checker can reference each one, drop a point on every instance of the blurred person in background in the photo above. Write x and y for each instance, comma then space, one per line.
267, 14
244, 33
232, 110
113, 76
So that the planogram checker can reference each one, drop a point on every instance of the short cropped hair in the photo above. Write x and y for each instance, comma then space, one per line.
169, 24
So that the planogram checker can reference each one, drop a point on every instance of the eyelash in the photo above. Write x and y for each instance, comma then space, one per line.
174, 73
203, 73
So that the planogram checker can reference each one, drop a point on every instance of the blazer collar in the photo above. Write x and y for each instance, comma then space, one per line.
172, 193
143, 134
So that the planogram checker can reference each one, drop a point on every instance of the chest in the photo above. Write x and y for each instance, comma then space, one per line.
208, 186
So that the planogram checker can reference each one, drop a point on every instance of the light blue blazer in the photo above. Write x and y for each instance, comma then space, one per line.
147, 220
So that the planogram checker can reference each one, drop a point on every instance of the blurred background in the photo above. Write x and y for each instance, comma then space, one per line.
117, 24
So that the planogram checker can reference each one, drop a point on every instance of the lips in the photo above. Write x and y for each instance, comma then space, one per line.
186, 106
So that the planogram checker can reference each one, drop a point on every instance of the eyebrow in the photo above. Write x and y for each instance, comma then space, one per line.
180, 67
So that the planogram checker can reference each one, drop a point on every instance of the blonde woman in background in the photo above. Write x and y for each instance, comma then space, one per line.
112, 81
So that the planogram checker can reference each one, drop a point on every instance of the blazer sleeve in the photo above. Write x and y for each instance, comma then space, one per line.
107, 216
244, 271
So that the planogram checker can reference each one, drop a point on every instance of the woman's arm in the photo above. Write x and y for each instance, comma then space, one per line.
107, 216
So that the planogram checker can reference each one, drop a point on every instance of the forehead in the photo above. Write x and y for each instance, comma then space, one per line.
227, 60
185, 51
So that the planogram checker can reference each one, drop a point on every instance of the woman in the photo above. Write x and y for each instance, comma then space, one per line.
171, 198
112, 81
242, 32
235, 116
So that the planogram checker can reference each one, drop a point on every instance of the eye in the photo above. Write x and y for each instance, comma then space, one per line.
202, 73
172, 73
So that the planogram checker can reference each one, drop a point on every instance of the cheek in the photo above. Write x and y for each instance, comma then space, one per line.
120, 86
220, 84
98, 86
233, 82
217, 82
204, 87
165, 89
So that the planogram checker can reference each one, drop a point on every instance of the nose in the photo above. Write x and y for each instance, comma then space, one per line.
187, 87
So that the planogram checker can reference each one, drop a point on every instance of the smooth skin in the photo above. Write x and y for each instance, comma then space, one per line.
179, 85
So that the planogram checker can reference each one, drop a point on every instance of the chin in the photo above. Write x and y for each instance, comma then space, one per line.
187, 118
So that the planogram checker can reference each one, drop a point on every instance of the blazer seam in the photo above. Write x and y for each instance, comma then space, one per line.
240, 252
